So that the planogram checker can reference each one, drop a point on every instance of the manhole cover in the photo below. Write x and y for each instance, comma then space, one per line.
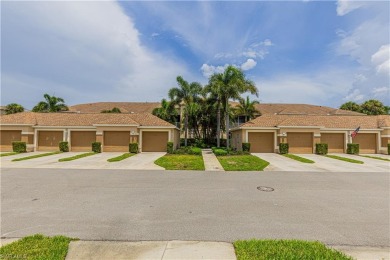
263, 188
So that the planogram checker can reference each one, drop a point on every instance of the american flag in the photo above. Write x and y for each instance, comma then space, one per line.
354, 133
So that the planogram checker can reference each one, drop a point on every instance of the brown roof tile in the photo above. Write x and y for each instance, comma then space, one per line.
125, 107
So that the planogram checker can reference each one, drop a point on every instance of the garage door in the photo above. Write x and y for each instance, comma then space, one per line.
367, 142
116, 141
335, 142
154, 141
7, 137
261, 142
81, 141
300, 142
49, 140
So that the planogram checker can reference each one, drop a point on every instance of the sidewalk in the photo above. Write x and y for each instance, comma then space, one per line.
211, 162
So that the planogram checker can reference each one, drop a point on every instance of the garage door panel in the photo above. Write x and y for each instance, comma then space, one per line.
81, 141
7, 137
116, 141
49, 140
367, 142
335, 141
261, 142
300, 142
154, 141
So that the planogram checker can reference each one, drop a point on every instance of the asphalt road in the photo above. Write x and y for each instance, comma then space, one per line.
335, 208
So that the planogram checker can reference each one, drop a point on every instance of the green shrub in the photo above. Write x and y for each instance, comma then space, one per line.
64, 146
283, 148
220, 152
133, 147
246, 147
196, 151
97, 147
352, 148
19, 147
321, 148
388, 149
170, 147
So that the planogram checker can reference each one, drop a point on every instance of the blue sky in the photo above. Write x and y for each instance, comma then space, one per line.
323, 53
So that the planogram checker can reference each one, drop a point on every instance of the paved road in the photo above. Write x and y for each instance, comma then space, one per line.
336, 208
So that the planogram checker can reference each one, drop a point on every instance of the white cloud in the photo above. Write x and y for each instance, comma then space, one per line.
249, 64
155, 34
346, 6
355, 96
208, 70
381, 59
381, 91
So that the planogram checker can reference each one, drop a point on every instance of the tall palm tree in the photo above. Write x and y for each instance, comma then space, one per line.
13, 108
52, 104
185, 94
247, 108
166, 112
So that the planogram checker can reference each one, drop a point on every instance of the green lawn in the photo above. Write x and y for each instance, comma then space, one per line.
285, 249
344, 159
36, 247
8, 154
181, 162
242, 163
376, 157
35, 156
120, 157
298, 158
76, 157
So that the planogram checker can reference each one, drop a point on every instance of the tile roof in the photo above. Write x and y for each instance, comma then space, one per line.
125, 107
79, 119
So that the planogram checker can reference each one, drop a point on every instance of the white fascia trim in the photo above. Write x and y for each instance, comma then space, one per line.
385, 135
259, 128
349, 129
113, 125
386, 127
65, 127
27, 133
16, 125
284, 126
157, 127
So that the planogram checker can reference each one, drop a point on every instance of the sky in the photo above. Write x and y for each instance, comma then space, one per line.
313, 52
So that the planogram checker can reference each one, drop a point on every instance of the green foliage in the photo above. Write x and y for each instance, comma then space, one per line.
133, 147
388, 149
181, 162
220, 152
13, 108
344, 159
19, 147
376, 157
283, 148
64, 146
242, 163
166, 111
246, 147
196, 151
188, 150
369, 107
297, 158
170, 147
321, 148
51, 104
8, 154
247, 108
351, 106
97, 147
35, 156
114, 110
120, 157
352, 148
79, 156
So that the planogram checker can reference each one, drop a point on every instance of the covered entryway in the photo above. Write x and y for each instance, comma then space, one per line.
367, 142
116, 141
49, 140
262, 142
7, 137
335, 141
300, 142
154, 141
81, 141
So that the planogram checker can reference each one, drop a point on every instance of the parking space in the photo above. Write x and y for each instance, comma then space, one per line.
281, 163
369, 162
41, 162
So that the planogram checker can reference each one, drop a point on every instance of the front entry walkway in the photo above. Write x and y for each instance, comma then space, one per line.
211, 162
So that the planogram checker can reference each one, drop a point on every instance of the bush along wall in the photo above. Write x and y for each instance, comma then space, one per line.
388, 149
352, 148
170, 147
321, 148
133, 147
246, 147
97, 147
64, 146
283, 148
19, 147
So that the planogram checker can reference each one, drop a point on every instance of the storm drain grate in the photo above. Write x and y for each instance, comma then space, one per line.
264, 188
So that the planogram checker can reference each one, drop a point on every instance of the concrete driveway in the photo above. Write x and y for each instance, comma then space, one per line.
369, 162
281, 163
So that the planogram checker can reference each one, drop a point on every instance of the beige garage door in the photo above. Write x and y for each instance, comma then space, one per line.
154, 141
335, 142
49, 140
7, 137
300, 142
81, 141
367, 142
116, 141
261, 142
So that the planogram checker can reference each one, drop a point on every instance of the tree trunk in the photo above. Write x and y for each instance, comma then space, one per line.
185, 129
218, 124
227, 124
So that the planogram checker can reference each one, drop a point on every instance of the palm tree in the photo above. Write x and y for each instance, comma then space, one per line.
13, 108
185, 94
52, 104
247, 108
166, 112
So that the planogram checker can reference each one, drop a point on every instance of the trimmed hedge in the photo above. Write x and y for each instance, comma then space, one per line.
64, 146
133, 147
321, 148
246, 147
19, 147
220, 152
97, 147
196, 151
283, 148
170, 147
352, 148
388, 149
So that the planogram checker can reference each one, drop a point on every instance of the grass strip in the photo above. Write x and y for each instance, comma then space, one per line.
37, 247
344, 159
242, 163
79, 156
297, 158
121, 157
285, 249
8, 154
35, 156
181, 162
375, 157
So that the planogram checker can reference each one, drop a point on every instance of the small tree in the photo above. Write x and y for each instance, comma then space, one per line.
51, 104
113, 110
13, 108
